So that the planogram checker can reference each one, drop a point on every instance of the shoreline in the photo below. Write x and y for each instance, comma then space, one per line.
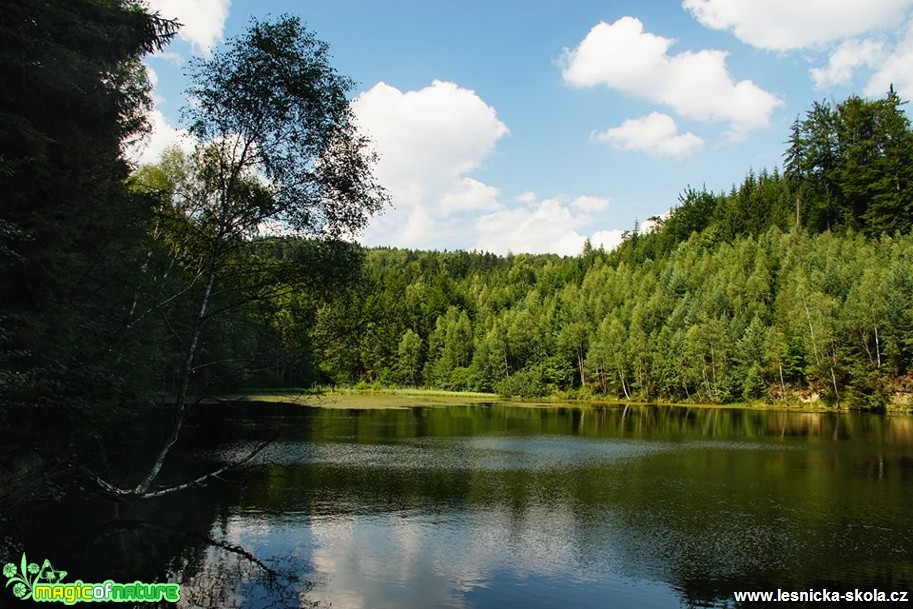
401, 398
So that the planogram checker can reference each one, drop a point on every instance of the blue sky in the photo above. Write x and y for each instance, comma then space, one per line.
531, 126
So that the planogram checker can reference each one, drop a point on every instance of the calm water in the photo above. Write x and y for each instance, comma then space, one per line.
498, 506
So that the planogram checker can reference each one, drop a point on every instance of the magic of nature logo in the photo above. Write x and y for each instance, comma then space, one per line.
44, 583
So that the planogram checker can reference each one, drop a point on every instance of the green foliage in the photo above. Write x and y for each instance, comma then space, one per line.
526, 383
851, 166
772, 317
113, 290
72, 92
409, 360
269, 106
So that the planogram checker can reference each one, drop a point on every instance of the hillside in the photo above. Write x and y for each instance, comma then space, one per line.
790, 285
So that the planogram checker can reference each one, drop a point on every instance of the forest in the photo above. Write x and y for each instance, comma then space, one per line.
125, 287
792, 286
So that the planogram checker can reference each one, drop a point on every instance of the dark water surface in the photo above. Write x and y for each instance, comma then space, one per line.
505, 506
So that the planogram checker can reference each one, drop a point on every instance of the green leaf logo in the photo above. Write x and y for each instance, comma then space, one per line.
19, 591
26, 575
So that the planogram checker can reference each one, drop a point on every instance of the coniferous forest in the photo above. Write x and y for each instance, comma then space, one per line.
789, 286
121, 285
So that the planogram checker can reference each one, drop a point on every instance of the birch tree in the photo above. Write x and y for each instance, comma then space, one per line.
277, 151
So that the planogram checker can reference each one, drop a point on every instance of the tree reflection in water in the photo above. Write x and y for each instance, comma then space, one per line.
497, 505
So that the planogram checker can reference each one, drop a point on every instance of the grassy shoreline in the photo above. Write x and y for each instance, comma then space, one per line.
348, 398
372, 398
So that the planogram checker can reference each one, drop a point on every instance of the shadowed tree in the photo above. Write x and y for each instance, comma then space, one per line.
73, 91
277, 151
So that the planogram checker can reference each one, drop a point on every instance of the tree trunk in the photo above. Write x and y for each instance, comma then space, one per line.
811, 331
624, 386
834, 380
180, 404
580, 364
877, 347
782, 383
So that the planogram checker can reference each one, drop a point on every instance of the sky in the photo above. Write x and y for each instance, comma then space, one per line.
531, 126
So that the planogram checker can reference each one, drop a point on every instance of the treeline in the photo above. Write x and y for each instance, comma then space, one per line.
847, 167
774, 317
788, 285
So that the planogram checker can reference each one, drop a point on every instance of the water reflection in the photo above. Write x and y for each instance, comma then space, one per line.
499, 506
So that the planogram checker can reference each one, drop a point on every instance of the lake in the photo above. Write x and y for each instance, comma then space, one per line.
493, 505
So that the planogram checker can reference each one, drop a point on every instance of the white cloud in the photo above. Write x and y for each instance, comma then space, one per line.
896, 68
846, 59
470, 195
655, 134
169, 56
607, 239
620, 55
695, 84
418, 226
860, 35
163, 134
527, 197
784, 25
203, 21
589, 204
428, 142
548, 226
443, 127
649, 225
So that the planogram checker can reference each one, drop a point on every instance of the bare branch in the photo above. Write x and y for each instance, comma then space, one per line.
118, 494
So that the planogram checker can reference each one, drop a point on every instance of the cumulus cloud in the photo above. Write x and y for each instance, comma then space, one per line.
203, 21
607, 239
554, 225
589, 204
783, 25
162, 135
442, 127
846, 59
695, 84
651, 224
859, 36
527, 197
428, 142
655, 134
470, 194
169, 56
550, 227
895, 67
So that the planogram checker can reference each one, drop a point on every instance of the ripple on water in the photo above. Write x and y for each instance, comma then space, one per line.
487, 453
